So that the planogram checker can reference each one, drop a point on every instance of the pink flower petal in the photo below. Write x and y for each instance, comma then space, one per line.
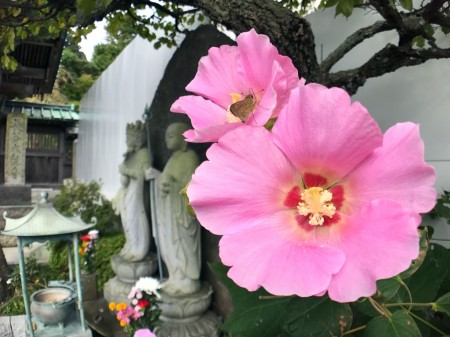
265, 69
396, 171
257, 57
241, 184
321, 129
379, 242
144, 333
268, 103
280, 257
203, 113
217, 76
211, 133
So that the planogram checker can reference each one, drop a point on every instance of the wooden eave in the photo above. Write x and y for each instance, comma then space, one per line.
36, 73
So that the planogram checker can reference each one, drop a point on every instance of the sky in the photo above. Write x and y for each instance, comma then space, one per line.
98, 35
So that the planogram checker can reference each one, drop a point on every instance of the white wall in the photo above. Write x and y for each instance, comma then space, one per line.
118, 97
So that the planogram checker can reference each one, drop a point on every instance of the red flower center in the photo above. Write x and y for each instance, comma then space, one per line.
317, 204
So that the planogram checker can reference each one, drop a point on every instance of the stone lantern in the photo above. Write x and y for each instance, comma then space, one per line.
58, 309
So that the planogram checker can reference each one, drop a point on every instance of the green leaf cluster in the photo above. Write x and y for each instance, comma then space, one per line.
442, 207
415, 303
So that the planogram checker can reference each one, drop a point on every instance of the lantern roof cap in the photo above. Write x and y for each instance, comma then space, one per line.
44, 220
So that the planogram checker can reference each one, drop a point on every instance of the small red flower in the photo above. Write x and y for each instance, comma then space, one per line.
144, 303
85, 238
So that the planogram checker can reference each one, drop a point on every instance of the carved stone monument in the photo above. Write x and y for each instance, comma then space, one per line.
185, 300
16, 145
15, 192
134, 260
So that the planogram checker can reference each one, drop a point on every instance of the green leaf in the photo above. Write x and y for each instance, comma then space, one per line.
345, 7
252, 316
86, 6
425, 284
407, 4
400, 324
429, 29
442, 207
106, 3
35, 29
328, 3
419, 41
424, 244
442, 304
316, 316
386, 289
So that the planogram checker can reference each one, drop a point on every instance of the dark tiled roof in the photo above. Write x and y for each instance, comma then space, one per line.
42, 111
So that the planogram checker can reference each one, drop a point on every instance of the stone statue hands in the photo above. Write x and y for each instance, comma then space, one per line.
151, 173
129, 172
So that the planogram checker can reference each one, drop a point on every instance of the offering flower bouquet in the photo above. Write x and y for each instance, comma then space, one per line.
141, 315
87, 249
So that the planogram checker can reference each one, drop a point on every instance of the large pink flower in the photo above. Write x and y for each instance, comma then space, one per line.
324, 203
252, 73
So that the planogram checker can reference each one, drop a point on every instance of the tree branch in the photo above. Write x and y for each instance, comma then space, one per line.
352, 41
388, 11
387, 60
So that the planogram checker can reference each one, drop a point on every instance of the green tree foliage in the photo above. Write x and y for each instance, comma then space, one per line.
104, 55
418, 25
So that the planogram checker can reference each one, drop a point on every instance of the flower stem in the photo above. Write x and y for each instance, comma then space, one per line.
270, 297
403, 284
408, 305
431, 326
379, 307
354, 330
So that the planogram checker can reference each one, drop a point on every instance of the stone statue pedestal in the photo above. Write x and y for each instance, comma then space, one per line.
127, 273
188, 315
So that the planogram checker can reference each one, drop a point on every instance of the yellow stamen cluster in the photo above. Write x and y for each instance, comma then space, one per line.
316, 202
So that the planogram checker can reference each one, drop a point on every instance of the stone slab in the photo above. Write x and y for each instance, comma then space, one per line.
15, 195
38, 250
13, 326
101, 319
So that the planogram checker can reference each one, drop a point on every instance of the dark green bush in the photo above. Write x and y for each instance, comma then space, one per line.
107, 246
86, 200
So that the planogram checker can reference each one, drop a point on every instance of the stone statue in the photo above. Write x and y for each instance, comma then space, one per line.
178, 233
129, 201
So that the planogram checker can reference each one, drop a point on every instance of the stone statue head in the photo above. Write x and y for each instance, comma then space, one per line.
174, 136
136, 136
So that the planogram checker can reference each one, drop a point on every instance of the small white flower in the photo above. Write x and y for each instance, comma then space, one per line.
149, 284
93, 234
9, 281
